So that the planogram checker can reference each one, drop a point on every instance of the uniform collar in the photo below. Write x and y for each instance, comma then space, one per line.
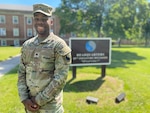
36, 41
48, 38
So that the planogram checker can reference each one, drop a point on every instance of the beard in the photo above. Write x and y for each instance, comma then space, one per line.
42, 30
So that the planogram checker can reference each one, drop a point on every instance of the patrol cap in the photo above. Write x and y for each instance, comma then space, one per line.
42, 8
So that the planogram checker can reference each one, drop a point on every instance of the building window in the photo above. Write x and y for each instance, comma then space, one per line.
29, 32
16, 43
29, 20
15, 20
15, 32
2, 19
34, 32
3, 43
2, 31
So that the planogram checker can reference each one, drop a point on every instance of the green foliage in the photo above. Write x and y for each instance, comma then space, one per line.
128, 72
87, 15
108, 18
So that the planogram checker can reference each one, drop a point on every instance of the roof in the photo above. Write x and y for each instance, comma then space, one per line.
16, 7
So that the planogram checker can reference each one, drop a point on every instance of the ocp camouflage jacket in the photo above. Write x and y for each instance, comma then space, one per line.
43, 70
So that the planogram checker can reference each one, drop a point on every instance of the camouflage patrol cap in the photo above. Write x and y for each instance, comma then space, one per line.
42, 8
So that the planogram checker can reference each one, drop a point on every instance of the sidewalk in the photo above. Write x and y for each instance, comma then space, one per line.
6, 66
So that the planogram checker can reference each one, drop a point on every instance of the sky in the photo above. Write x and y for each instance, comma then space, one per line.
53, 3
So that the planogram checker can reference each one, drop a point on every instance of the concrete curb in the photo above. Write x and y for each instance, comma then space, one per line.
7, 65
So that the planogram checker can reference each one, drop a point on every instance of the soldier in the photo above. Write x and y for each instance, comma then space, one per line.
44, 66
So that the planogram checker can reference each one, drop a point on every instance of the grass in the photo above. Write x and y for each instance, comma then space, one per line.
128, 72
9, 100
8, 52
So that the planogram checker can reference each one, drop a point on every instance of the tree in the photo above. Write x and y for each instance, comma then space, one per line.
126, 19
146, 31
145, 21
67, 18
110, 18
86, 15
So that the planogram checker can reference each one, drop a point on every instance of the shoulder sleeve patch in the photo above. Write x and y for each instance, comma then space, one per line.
63, 49
67, 58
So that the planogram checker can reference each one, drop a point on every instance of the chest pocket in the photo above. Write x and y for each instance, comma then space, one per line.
28, 55
47, 59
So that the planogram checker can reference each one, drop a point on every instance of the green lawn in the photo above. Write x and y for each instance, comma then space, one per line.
128, 72
7, 52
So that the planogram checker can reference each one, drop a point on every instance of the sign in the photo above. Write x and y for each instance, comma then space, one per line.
90, 51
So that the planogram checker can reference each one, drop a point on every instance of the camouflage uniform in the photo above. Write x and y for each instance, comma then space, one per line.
43, 71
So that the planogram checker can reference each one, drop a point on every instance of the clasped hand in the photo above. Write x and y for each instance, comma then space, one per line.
31, 105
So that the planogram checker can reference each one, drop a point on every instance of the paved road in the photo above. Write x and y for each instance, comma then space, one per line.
6, 66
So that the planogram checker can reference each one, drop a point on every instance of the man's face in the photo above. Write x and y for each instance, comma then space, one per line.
41, 24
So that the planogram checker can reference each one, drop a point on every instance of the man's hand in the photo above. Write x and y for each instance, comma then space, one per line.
29, 105
33, 100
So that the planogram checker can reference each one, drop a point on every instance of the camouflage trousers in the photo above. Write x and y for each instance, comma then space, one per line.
60, 110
